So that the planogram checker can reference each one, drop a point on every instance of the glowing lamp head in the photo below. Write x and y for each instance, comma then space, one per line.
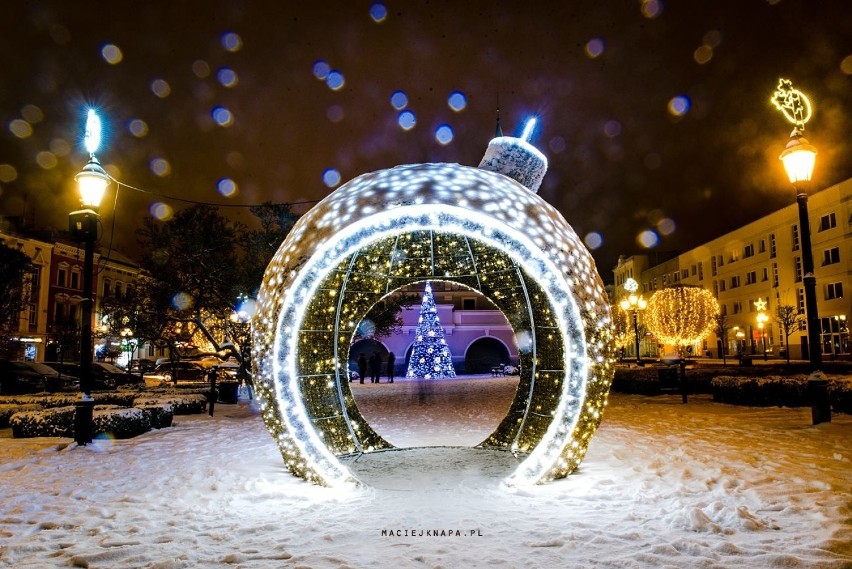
624, 304
799, 158
92, 181
92, 137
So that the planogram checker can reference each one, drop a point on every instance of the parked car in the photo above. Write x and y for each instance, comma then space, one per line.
101, 379
181, 371
32, 377
118, 375
142, 365
228, 367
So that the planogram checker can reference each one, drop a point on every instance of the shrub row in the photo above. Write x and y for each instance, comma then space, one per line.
745, 386
116, 422
775, 391
118, 414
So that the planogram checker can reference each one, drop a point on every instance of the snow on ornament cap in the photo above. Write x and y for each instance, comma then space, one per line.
516, 158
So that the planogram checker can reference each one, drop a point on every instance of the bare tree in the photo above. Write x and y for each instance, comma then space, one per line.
790, 320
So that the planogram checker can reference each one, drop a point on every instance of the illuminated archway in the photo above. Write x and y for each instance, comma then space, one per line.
387, 229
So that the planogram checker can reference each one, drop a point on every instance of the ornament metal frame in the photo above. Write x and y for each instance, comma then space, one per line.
412, 223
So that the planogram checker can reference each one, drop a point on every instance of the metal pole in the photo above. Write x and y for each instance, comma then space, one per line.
817, 386
809, 281
636, 337
763, 331
84, 408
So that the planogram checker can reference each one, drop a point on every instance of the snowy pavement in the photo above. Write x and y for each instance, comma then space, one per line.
663, 485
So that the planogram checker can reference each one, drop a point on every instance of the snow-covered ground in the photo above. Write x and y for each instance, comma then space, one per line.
663, 485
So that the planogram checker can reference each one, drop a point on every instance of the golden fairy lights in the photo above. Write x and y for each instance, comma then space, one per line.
681, 315
387, 229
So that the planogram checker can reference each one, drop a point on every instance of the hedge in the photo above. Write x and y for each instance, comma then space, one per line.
117, 422
7, 410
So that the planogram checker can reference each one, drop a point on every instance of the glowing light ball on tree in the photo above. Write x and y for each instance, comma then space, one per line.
482, 228
681, 315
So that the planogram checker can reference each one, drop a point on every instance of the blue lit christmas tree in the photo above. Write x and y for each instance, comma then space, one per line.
430, 356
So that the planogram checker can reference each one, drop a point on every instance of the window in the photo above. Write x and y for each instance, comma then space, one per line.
765, 275
774, 275
700, 271
75, 279
61, 275
722, 286
713, 266
797, 261
35, 277
724, 309
737, 306
771, 245
118, 289
693, 269
795, 238
72, 313
761, 247
827, 222
735, 256
800, 300
721, 260
751, 277
748, 251
33, 314
107, 287
833, 290
469, 303
716, 289
735, 281
831, 256
685, 273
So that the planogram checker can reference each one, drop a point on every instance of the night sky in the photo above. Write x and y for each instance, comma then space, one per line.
655, 116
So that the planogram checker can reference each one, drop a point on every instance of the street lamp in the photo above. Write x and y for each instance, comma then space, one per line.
92, 182
128, 343
634, 304
799, 158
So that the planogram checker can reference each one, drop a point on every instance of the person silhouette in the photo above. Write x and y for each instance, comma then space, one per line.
391, 361
362, 366
375, 367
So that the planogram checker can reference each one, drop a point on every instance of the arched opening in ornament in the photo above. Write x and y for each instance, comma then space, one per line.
468, 333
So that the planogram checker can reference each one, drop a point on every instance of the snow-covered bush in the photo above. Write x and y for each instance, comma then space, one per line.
53, 422
9, 409
112, 420
183, 404
769, 391
159, 415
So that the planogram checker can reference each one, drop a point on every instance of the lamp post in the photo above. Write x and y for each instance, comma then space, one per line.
799, 158
762, 319
92, 181
634, 304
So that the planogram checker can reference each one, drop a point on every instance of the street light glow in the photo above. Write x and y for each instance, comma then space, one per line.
92, 137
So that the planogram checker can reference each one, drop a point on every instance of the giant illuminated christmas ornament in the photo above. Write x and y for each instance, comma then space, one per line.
484, 228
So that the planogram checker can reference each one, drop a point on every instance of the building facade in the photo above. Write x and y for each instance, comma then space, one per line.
50, 323
758, 268
32, 331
